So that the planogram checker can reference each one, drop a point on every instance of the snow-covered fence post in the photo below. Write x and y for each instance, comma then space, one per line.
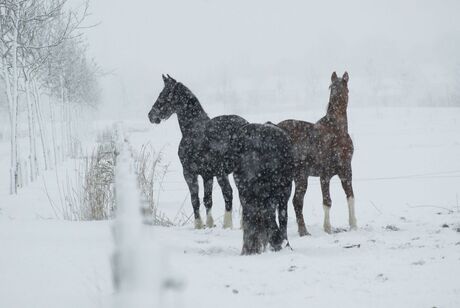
138, 265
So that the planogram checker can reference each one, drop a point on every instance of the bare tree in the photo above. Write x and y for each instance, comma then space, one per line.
10, 15
39, 44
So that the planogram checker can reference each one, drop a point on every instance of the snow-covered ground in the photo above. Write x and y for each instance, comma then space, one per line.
406, 252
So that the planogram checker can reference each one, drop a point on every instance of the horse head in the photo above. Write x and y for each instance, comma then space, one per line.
338, 99
167, 102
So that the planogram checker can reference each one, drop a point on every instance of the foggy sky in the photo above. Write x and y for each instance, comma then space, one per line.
207, 43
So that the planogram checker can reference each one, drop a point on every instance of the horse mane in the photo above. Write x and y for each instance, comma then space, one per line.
336, 112
187, 97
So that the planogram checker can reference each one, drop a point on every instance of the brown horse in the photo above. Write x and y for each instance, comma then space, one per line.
323, 149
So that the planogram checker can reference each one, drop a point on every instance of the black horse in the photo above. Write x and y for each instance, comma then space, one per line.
263, 174
204, 148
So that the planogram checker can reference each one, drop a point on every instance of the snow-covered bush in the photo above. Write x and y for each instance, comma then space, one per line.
90, 193
98, 191
150, 171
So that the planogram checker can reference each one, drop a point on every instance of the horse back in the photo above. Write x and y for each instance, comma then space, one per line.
207, 151
220, 130
304, 139
265, 154
220, 134
298, 131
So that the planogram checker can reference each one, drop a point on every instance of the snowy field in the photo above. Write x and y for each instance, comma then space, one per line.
406, 252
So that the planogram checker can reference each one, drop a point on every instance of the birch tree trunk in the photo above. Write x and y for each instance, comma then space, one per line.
41, 128
33, 164
53, 135
12, 118
11, 85
64, 141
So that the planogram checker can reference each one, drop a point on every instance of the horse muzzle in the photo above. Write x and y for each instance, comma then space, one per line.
154, 119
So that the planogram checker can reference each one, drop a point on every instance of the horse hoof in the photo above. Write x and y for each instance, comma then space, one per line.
198, 223
327, 229
353, 227
209, 222
228, 222
303, 232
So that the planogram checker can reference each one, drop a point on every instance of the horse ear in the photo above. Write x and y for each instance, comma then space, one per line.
170, 78
345, 77
164, 78
334, 76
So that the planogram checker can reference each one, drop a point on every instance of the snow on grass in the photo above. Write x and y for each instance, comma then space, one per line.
406, 252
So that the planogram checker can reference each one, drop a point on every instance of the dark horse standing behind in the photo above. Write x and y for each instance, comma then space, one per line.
324, 149
263, 174
204, 148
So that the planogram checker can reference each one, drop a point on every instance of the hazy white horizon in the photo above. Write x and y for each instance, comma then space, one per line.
232, 54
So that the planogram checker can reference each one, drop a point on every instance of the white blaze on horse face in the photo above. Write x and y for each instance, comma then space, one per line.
228, 221
327, 220
351, 213
198, 223
209, 219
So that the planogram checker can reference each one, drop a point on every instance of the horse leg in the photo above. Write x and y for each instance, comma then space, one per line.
301, 184
275, 235
326, 203
241, 188
346, 180
228, 196
192, 182
207, 200
283, 199
252, 229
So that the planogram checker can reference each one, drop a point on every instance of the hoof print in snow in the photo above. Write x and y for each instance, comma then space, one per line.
303, 231
391, 228
381, 277
420, 262
457, 229
339, 230
352, 246
235, 291
292, 268
445, 226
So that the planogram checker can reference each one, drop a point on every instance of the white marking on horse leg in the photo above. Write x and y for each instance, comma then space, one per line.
327, 220
228, 220
209, 219
198, 223
241, 217
351, 213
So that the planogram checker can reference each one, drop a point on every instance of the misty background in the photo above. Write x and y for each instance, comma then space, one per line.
246, 56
